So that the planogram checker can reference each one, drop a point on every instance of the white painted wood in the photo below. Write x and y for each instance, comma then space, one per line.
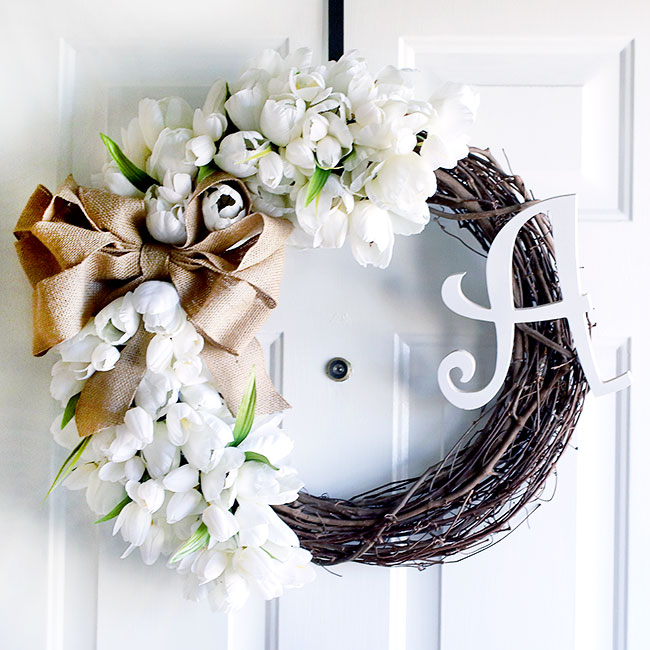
564, 93
573, 305
74, 68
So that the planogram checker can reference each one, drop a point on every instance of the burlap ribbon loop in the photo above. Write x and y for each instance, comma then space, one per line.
82, 248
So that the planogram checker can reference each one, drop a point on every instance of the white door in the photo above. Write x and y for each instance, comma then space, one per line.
564, 92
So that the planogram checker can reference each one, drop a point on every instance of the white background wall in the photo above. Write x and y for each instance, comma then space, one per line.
566, 93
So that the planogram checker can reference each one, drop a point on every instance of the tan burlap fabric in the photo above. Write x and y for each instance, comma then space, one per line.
82, 248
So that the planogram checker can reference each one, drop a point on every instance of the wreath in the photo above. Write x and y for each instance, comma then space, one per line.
151, 286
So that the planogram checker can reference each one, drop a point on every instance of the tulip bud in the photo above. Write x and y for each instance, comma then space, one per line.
104, 357
168, 154
271, 170
222, 207
328, 152
200, 150
279, 118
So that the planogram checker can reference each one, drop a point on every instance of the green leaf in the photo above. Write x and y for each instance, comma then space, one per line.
69, 463
70, 409
246, 412
205, 171
138, 178
198, 541
116, 510
316, 183
259, 458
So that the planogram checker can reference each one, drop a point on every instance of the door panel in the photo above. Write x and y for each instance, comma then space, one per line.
564, 101
570, 113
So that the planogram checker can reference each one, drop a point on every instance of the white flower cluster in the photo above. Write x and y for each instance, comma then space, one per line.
172, 466
345, 154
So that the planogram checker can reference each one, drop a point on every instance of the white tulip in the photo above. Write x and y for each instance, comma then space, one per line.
216, 98
161, 455
326, 218
336, 104
328, 152
350, 76
182, 419
169, 154
203, 397
68, 437
181, 479
149, 495
118, 321
159, 354
211, 125
133, 144
229, 592
314, 127
102, 496
166, 223
205, 447
168, 322
258, 567
80, 347
211, 120
271, 170
104, 357
156, 115
190, 371
275, 205
221, 207
153, 544
268, 439
296, 569
176, 188
187, 342
300, 154
166, 208
158, 302
130, 470
68, 379
183, 504
259, 483
134, 522
259, 525
112, 180
223, 475
394, 83
402, 186
186, 527
454, 113
239, 153
280, 117
156, 392
99, 444
221, 523
245, 106
371, 235
200, 150
124, 446
387, 125
252, 524
209, 564
308, 86
139, 424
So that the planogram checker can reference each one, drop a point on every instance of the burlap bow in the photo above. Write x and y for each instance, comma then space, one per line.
82, 248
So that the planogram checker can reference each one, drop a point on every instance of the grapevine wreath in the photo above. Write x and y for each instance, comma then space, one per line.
151, 286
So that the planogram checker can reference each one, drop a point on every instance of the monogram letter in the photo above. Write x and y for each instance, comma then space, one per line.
502, 312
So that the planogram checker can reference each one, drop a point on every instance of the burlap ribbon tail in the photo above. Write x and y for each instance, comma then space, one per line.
82, 248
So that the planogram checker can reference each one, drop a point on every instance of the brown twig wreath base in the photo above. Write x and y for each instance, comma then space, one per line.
465, 503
